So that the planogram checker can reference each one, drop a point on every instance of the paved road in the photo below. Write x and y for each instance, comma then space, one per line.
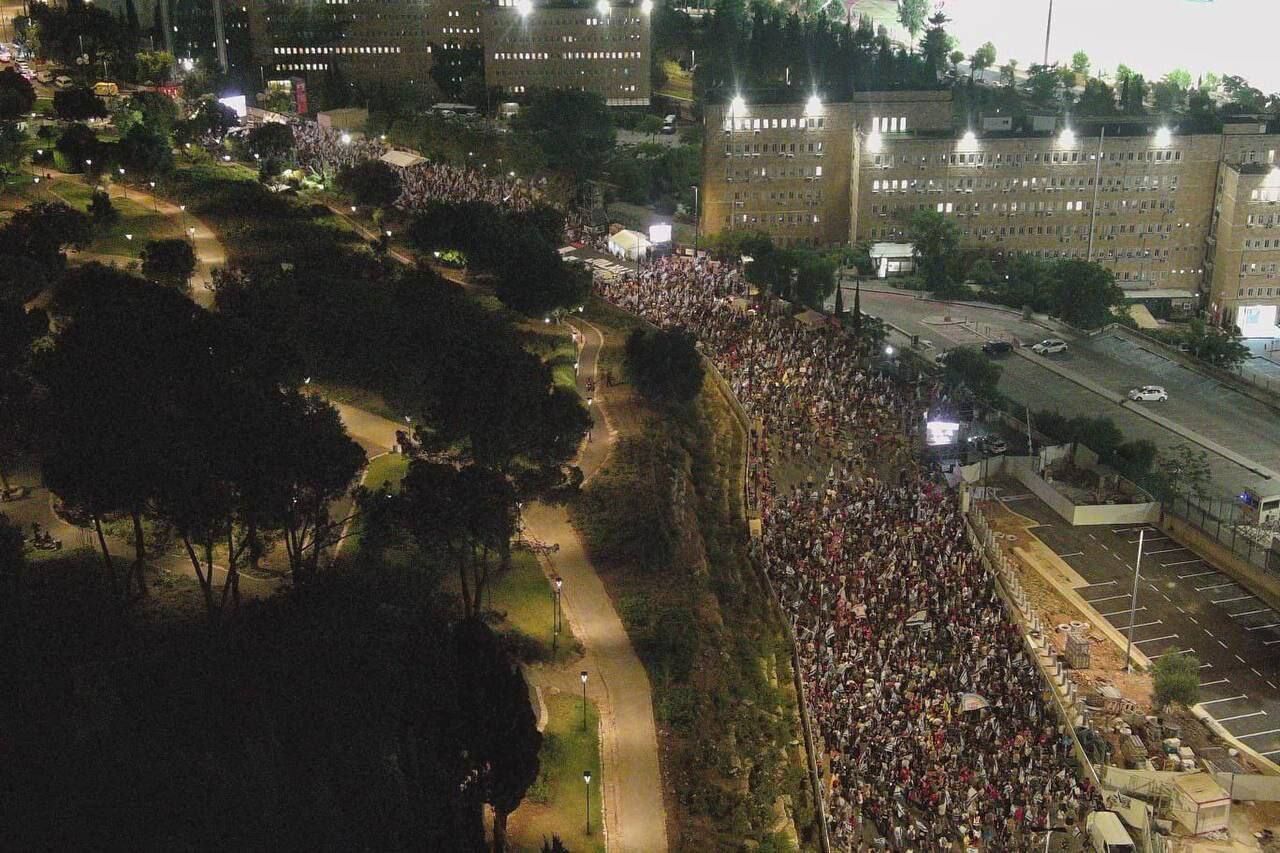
1184, 606
1202, 407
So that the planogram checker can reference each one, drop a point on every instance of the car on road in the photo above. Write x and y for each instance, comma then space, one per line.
941, 358
44, 76
1049, 346
1149, 393
994, 348
992, 445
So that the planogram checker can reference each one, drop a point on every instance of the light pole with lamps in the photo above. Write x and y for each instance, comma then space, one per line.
583, 676
1133, 602
586, 778
695, 221
124, 189
155, 203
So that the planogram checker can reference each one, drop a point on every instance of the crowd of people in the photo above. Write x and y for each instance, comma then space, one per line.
328, 152
928, 707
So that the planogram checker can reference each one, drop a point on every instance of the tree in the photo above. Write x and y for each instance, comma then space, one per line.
1179, 78
912, 15
145, 151
12, 561
815, 278
41, 232
1176, 679
18, 332
934, 47
1184, 471
934, 239
1098, 99
1219, 347
969, 368
983, 58
170, 262
78, 104
956, 57
1044, 85
272, 140
102, 211
17, 95
573, 128
1085, 293
498, 727
78, 143
156, 110
154, 66
664, 364
1080, 62
1009, 73
371, 182
982, 272
209, 121
1133, 95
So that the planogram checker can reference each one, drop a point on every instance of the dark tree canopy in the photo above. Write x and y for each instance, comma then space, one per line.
79, 143
371, 183
573, 128
17, 95
42, 231
271, 140
78, 104
169, 262
664, 364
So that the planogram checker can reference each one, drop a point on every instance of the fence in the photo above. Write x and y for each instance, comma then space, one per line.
1223, 521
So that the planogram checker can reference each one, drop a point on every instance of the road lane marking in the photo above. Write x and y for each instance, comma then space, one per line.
1147, 624
1108, 598
1243, 716
1224, 645
1104, 547
1270, 642
1165, 551
1262, 627
1272, 752
1072, 554
1207, 631
1215, 586
1099, 583
1249, 612
1206, 666
1148, 539
1227, 699
1118, 612
1181, 563
1255, 672
1219, 681
1242, 660
1258, 734
1229, 600
1156, 639
1197, 574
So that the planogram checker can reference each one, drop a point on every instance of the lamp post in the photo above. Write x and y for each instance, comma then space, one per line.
583, 676
695, 221
124, 189
155, 203
586, 779
1133, 602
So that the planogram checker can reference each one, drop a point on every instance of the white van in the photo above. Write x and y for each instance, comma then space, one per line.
1107, 834
62, 82
44, 75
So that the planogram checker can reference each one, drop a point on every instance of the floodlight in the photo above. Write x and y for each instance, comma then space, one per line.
1163, 136
969, 137
1068, 137
602, 6
814, 106
524, 7
738, 104
646, 6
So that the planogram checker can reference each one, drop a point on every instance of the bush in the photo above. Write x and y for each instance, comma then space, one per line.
1177, 679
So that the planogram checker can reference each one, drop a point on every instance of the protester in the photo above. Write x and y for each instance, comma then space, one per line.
930, 712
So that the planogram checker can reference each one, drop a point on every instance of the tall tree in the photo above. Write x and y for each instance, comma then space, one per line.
17, 96
983, 58
934, 239
1086, 293
170, 262
912, 15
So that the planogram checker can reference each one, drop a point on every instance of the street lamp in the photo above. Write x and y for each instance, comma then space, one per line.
586, 779
1068, 137
524, 8
602, 6
583, 676
646, 6
969, 137
695, 221
129, 237
814, 106
737, 105
155, 203
1133, 602
1163, 136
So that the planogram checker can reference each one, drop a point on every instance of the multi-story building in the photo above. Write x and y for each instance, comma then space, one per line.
1184, 217
602, 48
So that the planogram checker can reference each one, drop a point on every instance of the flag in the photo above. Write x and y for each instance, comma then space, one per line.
972, 702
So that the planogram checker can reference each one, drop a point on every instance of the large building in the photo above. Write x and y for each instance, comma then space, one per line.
602, 49
1193, 219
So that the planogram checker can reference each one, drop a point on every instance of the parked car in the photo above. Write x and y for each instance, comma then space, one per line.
941, 358
105, 89
1149, 393
62, 81
993, 445
668, 130
994, 348
1049, 346
44, 76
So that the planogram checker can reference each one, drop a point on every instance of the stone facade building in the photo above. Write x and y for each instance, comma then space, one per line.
1174, 216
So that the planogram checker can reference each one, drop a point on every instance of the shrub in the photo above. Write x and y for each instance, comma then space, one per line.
1177, 679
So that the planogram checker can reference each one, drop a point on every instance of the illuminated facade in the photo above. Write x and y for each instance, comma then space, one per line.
602, 49
1173, 216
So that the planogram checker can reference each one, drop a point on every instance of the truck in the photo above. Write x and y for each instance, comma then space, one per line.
1107, 834
104, 89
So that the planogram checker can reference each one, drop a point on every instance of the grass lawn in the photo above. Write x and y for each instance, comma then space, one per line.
679, 82
524, 596
137, 219
556, 803
387, 468
555, 346
361, 398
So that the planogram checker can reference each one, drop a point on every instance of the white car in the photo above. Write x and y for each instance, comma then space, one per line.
1149, 393
1049, 346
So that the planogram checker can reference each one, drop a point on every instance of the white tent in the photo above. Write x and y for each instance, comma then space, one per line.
402, 159
627, 244
892, 258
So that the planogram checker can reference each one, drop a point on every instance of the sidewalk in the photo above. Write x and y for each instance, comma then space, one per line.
635, 815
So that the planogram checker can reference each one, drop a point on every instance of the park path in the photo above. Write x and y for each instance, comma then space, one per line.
635, 815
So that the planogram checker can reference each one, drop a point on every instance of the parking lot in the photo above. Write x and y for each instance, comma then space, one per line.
1184, 606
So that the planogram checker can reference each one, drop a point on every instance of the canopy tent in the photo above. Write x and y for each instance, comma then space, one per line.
628, 244
892, 258
402, 159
